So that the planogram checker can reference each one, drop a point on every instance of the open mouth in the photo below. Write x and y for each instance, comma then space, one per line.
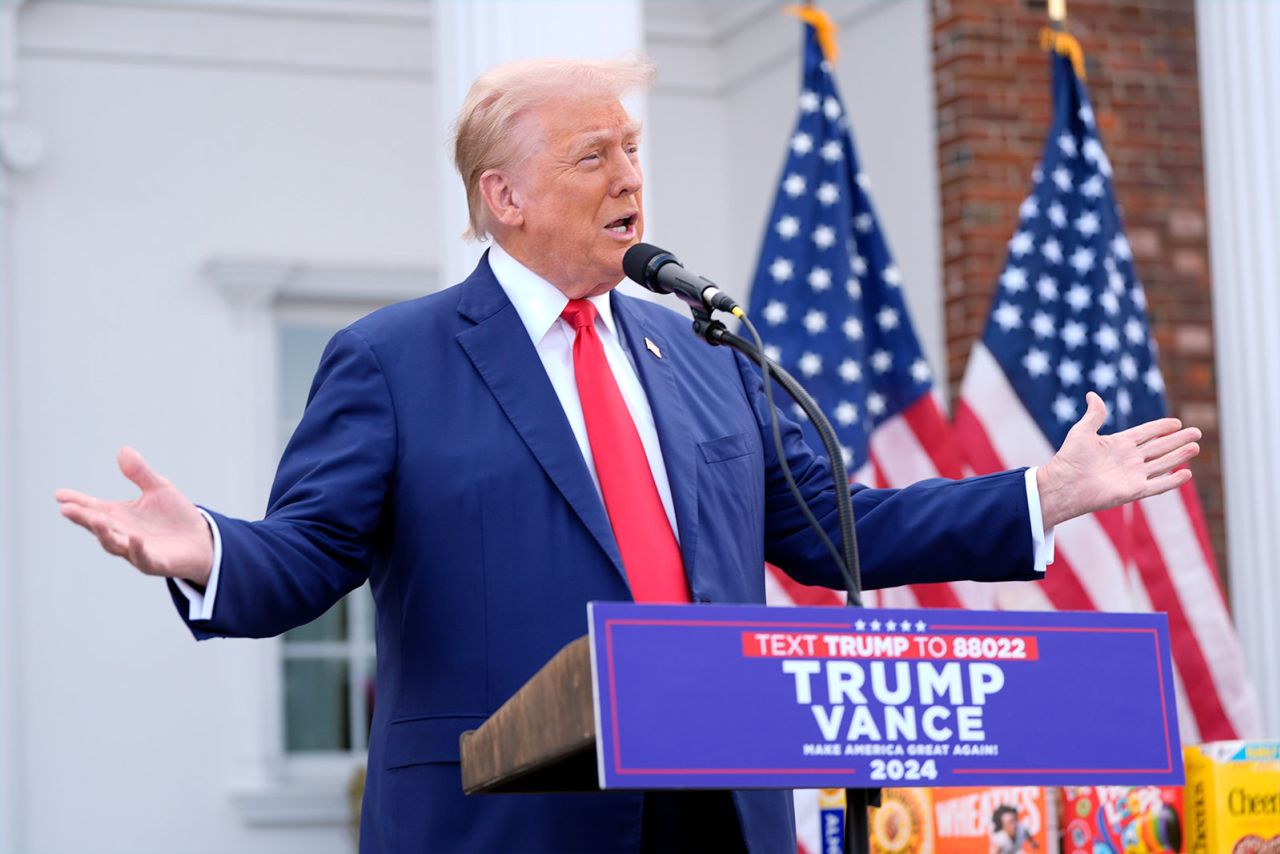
622, 225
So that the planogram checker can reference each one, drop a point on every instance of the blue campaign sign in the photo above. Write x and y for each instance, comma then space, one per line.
733, 696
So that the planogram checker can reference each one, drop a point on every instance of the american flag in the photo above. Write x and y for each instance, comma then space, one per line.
828, 300
1069, 315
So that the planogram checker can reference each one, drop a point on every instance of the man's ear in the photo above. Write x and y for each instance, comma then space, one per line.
501, 198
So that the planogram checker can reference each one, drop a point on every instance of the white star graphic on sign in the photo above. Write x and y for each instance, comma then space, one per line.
1069, 372
1139, 297
810, 364
824, 236
852, 328
1029, 208
1086, 114
1128, 367
920, 371
1014, 278
1052, 251
1067, 144
1092, 187
1103, 375
859, 625
1057, 215
1109, 302
857, 264
1078, 297
827, 194
831, 108
881, 361
1106, 338
1062, 178
892, 276
1042, 325
1087, 224
846, 413
819, 279
802, 143
772, 353
1133, 331
920, 626
875, 404
862, 222
1082, 259
793, 185
1154, 381
1008, 316
850, 371
1074, 334
875, 625
808, 101
854, 288
815, 321
1065, 408
775, 312
887, 317
1036, 362
830, 151
1021, 243
1047, 287
891, 626
1124, 401
787, 227
1120, 247
781, 269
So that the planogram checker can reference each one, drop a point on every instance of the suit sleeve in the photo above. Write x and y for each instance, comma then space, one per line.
936, 530
317, 540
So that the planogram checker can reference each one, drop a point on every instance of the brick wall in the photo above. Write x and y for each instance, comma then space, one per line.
993, 105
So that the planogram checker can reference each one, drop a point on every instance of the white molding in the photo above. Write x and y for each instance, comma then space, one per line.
314, 803
1239, 75
338, 38
256, 282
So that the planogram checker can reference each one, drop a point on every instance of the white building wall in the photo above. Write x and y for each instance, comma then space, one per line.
203, 158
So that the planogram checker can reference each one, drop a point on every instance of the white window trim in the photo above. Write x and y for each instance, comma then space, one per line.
268, 787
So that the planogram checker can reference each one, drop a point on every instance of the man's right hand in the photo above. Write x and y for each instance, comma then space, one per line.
160, 532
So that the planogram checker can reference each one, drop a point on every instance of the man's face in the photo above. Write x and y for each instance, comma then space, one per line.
1009, 823
579, 192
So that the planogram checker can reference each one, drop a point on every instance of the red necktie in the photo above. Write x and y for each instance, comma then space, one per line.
649, 550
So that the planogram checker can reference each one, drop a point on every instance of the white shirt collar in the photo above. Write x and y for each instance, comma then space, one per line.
537, 301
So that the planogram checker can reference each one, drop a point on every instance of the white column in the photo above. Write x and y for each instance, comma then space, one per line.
471, 37
1240, 95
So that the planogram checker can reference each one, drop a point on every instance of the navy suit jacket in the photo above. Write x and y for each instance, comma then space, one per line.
435, 460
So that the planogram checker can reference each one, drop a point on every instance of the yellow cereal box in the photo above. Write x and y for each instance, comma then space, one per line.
1232, 799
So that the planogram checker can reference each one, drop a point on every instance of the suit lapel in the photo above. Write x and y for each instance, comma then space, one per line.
670, 415
499, 347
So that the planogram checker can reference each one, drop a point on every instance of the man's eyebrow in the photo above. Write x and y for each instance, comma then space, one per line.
593, 138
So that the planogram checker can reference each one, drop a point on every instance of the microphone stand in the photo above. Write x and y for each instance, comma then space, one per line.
857, 830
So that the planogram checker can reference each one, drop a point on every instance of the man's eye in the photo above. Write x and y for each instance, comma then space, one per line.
590, 158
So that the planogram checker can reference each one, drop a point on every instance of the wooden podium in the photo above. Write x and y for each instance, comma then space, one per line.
544, 738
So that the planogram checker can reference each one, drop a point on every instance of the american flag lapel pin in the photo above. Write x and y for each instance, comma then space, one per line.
652, 348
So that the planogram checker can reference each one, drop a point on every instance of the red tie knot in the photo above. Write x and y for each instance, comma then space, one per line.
580, 314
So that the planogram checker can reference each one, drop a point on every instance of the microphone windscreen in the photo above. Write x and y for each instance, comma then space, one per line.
637, 260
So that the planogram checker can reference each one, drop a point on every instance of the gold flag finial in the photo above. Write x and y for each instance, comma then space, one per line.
821, 22
1062, 42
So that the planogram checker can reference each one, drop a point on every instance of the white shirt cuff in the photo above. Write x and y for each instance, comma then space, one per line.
200, 605
1041, 541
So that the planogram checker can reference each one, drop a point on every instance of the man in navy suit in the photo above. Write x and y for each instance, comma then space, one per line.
493, 456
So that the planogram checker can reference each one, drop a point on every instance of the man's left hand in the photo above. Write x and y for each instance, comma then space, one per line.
1092, 472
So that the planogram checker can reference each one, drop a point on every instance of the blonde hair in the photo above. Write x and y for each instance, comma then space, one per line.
484, 135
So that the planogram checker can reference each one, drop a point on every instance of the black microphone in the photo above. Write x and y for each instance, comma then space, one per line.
659, 271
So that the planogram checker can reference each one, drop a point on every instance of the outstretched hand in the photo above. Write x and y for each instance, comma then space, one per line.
160, 532
1091, 472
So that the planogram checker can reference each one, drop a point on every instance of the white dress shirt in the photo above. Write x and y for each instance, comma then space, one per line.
539, 304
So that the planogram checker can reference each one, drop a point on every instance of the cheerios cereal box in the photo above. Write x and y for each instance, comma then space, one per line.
1233, 797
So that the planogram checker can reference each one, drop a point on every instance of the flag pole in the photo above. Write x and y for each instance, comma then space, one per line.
1058, 14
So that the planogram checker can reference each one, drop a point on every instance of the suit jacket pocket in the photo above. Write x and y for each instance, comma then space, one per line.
418, 741
726, 447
